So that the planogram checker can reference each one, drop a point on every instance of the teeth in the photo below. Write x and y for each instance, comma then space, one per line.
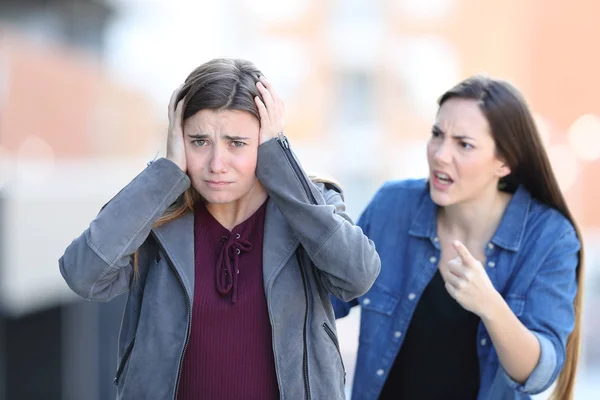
443, 177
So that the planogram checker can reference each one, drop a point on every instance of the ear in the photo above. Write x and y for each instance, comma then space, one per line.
503, 170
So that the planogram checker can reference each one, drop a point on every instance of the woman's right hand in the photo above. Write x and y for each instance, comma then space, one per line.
175, 143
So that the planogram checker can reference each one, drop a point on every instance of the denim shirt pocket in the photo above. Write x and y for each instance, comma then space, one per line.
377, 308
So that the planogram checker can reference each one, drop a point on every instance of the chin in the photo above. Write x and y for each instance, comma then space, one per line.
219, 197
440, 199
224, 195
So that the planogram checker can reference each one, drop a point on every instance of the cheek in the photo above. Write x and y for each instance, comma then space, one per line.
245, 164
193, 158
475, 169
197, 159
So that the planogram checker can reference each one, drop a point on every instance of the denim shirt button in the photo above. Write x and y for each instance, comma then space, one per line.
380, 372
433, 260
412, 296
366, 301
490, 246
397, 334
483, 342
491, 264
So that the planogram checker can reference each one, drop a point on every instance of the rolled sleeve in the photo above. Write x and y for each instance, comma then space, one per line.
543, 374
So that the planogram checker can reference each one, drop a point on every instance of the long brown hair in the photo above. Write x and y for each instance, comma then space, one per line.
519, 144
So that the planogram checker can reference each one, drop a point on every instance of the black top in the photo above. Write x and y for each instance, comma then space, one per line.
438, 358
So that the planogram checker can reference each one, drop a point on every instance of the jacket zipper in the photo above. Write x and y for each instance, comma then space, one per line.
285, 145
334, 339
123, 362
305, 345
189, 325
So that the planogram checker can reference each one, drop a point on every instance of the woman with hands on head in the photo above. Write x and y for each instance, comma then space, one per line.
228, 252
479, 295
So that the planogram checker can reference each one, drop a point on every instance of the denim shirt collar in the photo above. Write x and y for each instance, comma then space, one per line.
509, 234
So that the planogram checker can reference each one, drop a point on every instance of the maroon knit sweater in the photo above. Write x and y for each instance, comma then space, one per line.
229, 355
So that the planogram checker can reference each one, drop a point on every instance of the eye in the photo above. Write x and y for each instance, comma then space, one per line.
436, 133
237, 143
199, 142
466, 146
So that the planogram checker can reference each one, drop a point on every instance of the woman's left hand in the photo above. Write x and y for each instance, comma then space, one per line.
468, 283
271, 110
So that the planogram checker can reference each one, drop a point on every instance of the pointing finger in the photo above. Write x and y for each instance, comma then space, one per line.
464, 254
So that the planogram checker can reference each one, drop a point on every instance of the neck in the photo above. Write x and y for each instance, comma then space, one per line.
475, 220
234, 213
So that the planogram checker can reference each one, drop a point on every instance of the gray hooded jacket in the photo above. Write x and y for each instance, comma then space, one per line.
311, 248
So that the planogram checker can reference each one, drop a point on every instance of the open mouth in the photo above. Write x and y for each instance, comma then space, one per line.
441, 179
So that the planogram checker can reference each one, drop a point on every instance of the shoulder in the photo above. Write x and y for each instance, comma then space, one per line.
547, 233
405, 185
548, 221
407, 193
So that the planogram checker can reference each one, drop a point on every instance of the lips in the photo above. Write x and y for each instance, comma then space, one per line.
217, 184
441, 180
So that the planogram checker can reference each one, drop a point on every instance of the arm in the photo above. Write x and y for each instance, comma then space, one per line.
518, 348
531, 348
547, 320
342, 308
345, 257
98, 265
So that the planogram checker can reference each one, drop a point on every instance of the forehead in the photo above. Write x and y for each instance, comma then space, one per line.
462, 117
209, 121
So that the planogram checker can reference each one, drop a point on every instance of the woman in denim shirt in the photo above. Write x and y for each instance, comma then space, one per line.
478, 292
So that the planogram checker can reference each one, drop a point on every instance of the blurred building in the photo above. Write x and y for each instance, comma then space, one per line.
67, 133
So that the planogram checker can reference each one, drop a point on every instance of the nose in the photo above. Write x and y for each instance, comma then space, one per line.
443, 153
218, 162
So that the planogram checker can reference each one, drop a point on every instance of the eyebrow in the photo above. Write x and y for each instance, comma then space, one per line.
228, 137
459, 137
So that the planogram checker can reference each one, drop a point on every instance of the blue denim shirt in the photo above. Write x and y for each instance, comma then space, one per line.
531, 261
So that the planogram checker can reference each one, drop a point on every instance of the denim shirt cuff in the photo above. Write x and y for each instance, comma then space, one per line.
541, 376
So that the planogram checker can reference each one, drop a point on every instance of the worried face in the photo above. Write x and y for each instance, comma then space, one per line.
221, 148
